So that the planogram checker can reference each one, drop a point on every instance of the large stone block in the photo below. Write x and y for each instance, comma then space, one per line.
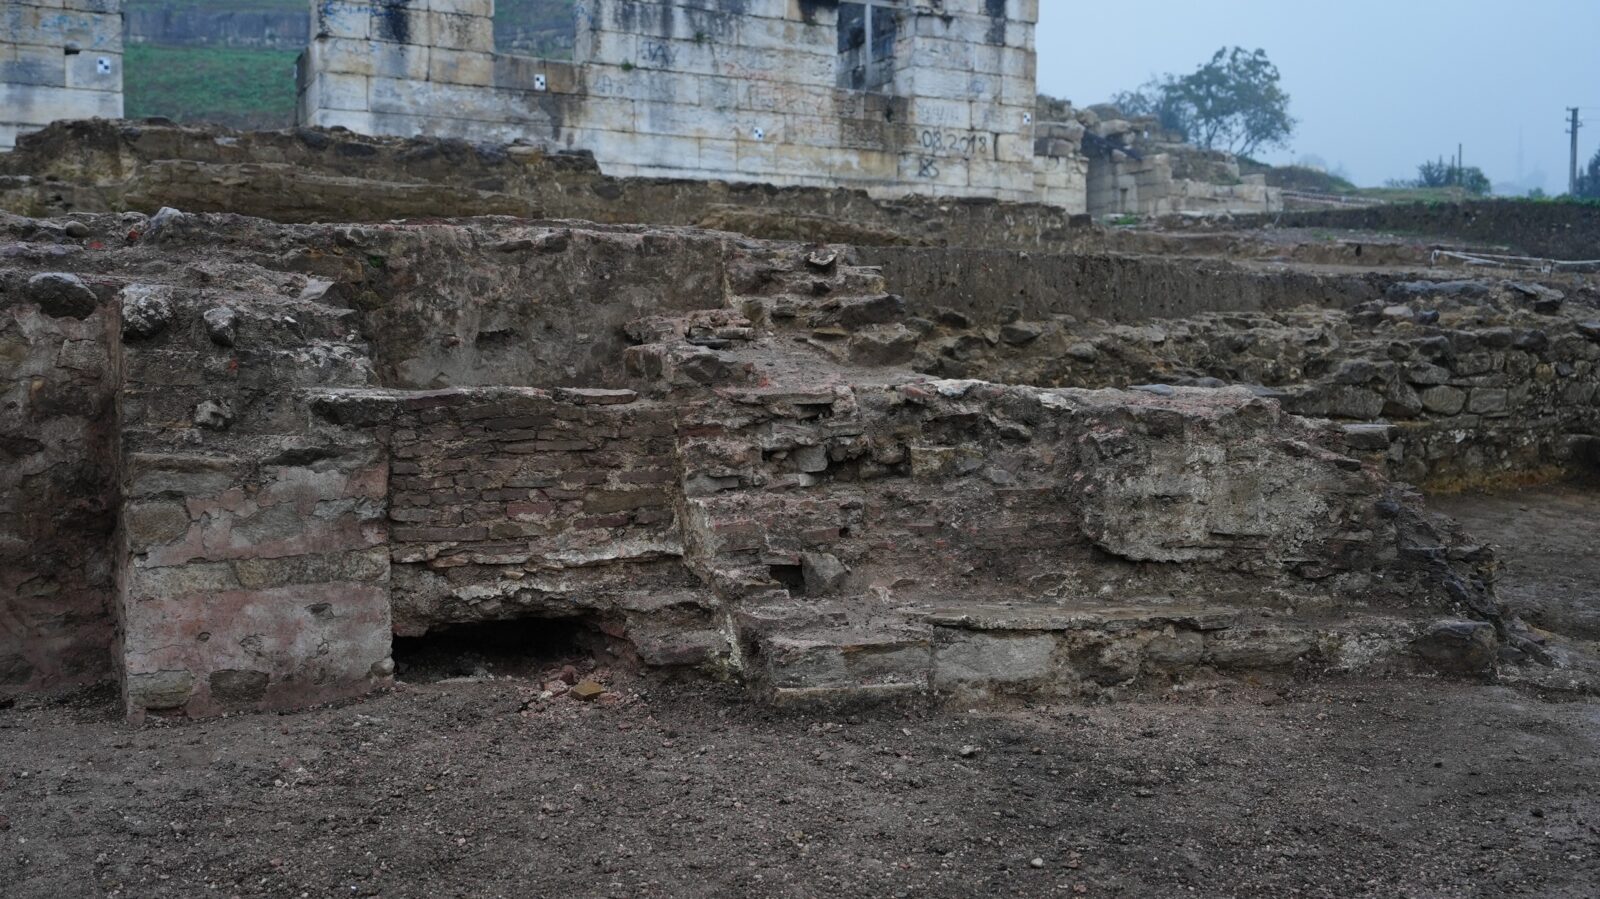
967, 659
483, 8
33, 65
40, 105
97, 71
467, 67
44, 26
343, 56
341, 19
454, 31
524, 73
339, 92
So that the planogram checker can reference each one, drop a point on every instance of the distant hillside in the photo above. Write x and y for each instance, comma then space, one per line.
232, 61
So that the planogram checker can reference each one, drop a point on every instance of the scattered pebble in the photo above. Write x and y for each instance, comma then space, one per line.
587, 691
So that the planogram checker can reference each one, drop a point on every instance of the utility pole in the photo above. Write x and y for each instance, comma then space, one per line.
1572, 175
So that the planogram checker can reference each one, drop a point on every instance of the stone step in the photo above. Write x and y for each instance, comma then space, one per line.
1019, 617
842, 663
800, 653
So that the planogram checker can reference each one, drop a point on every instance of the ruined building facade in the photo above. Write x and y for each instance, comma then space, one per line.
937, 97
894, 97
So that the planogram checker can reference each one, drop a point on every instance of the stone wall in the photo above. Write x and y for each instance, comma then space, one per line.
788, 477
517, 502
1148, 187
1444, 384
760, 91
1062, 179
938, 100
932, 491
427, 67
59, 59
252, 566
1133, 167
738, 91
57, 464
568, 291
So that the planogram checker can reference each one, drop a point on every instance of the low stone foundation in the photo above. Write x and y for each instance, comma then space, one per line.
727, 456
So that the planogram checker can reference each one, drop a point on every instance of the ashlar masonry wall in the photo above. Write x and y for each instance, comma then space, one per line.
410, 67
59, 59
752, 91
739, 90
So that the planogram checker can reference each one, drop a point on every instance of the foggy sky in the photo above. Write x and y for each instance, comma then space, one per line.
1378, 85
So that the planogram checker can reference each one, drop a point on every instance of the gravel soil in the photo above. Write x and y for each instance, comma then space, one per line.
1345, 788
487, 786
1546, 538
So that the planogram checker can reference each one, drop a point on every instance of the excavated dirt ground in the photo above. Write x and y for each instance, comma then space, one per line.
481, 789
1546, 537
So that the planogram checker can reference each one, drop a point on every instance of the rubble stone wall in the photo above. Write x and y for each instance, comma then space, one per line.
59, 59
540, 307
1149, 187
252, 567
1117, 166
1446, 384
930, 491
57, 496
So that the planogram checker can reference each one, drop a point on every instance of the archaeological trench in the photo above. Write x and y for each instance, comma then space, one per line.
275, 402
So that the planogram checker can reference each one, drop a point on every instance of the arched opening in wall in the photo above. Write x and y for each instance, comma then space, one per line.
527, 648
542, 28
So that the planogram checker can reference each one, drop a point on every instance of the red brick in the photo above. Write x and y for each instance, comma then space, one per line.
648, 476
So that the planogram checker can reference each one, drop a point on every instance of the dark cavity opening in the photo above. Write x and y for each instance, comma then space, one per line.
527, 648
790, 577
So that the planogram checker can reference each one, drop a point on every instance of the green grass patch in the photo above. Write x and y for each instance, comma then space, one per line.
1417, 194
234, 86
